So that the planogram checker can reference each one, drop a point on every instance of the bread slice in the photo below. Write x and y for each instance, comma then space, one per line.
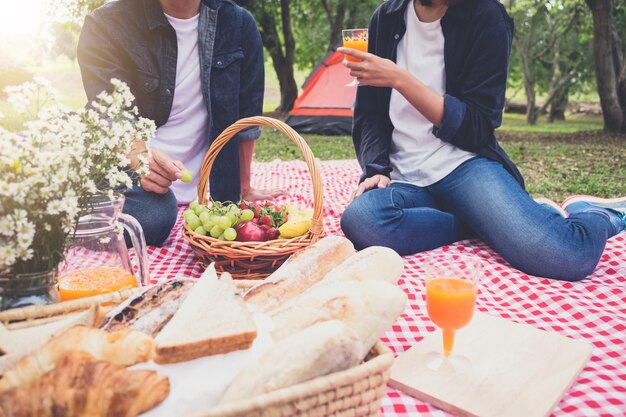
213, 319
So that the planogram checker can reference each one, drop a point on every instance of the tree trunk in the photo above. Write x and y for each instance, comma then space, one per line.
558, 105
605, 65
335, 22
282, 59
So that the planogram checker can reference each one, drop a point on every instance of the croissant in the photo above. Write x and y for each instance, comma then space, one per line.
80, 386
124, 347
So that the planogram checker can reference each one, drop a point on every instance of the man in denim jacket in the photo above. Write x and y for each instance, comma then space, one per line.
195, 67
432, 93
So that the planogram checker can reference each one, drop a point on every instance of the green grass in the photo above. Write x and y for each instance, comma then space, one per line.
573, 123
555, 165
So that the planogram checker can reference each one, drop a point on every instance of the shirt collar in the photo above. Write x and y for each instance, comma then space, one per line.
454, 12
156, 18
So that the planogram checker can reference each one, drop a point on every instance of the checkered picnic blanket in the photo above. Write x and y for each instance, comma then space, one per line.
593, 310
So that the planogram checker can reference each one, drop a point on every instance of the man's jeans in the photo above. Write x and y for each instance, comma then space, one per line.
479, 199
155, 212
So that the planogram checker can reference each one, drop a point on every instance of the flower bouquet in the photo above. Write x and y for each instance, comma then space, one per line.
50, 169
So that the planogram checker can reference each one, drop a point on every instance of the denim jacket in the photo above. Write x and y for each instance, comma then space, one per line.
478, 36
133, 41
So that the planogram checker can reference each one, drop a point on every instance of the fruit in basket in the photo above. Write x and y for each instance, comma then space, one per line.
297, 224
251, 232
224, 221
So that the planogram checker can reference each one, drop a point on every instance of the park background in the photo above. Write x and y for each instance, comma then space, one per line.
565, 116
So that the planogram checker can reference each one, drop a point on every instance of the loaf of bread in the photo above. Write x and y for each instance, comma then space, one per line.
301, 271
316, 351
124, 347
213, 319
368, 307
375, 262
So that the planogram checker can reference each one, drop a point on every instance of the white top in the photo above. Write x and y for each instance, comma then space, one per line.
416, 155
185, 136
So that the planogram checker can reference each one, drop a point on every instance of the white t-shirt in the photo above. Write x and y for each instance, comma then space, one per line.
417, 156
185, 136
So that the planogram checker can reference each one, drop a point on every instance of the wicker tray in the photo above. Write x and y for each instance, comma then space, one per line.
355, 392
255, 260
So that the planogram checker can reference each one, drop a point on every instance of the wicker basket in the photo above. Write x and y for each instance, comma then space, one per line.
255, 260
355, 392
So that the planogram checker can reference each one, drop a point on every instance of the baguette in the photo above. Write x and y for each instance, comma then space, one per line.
301, 271
369, 308
213, 319
374, 262
316, 351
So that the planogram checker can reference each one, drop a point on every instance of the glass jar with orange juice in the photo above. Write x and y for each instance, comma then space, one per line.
97, 261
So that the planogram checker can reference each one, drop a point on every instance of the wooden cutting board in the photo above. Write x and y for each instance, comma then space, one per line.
512, 370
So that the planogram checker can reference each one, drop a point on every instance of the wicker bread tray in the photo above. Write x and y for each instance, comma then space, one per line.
255, 260
355, 392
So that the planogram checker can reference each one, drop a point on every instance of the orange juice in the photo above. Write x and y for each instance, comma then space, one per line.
94, 282
450, 304
357, 44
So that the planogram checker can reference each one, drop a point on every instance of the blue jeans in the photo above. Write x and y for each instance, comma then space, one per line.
479, 199
156, 213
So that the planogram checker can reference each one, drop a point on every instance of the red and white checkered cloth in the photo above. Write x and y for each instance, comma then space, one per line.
593, 310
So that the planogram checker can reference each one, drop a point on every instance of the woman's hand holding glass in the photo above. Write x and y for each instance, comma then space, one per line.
372, 70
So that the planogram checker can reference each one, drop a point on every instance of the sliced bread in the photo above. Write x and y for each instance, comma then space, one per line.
213, 319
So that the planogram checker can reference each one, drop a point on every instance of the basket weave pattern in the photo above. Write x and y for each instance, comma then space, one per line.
355, 392
255, 260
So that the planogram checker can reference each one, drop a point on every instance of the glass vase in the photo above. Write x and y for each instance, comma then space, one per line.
20, 290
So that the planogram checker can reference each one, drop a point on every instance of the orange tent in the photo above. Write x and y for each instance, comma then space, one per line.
325, 105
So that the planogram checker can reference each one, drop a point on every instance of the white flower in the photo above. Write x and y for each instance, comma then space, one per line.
61, 158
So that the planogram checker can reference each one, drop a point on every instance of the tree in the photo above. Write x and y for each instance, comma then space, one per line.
274, 19
550, 49
66, 39
610, 65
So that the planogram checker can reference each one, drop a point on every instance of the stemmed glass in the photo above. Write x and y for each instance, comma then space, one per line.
451, 289
355, 39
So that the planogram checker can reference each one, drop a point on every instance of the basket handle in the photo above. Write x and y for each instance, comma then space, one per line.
317, 224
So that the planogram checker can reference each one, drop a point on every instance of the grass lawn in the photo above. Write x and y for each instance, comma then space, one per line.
557, 160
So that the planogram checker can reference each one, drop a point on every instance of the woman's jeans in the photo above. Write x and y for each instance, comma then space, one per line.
479, 199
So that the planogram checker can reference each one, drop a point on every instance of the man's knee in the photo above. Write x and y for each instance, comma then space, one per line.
156, 213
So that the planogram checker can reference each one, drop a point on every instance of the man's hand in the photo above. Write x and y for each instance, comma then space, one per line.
372, 70
376, 181
163, 171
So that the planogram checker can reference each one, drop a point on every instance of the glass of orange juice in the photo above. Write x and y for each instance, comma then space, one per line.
355, 39
451, 289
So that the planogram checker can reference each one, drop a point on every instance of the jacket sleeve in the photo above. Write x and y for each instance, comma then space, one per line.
471, 117
98, 59
370, 138
252, 84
